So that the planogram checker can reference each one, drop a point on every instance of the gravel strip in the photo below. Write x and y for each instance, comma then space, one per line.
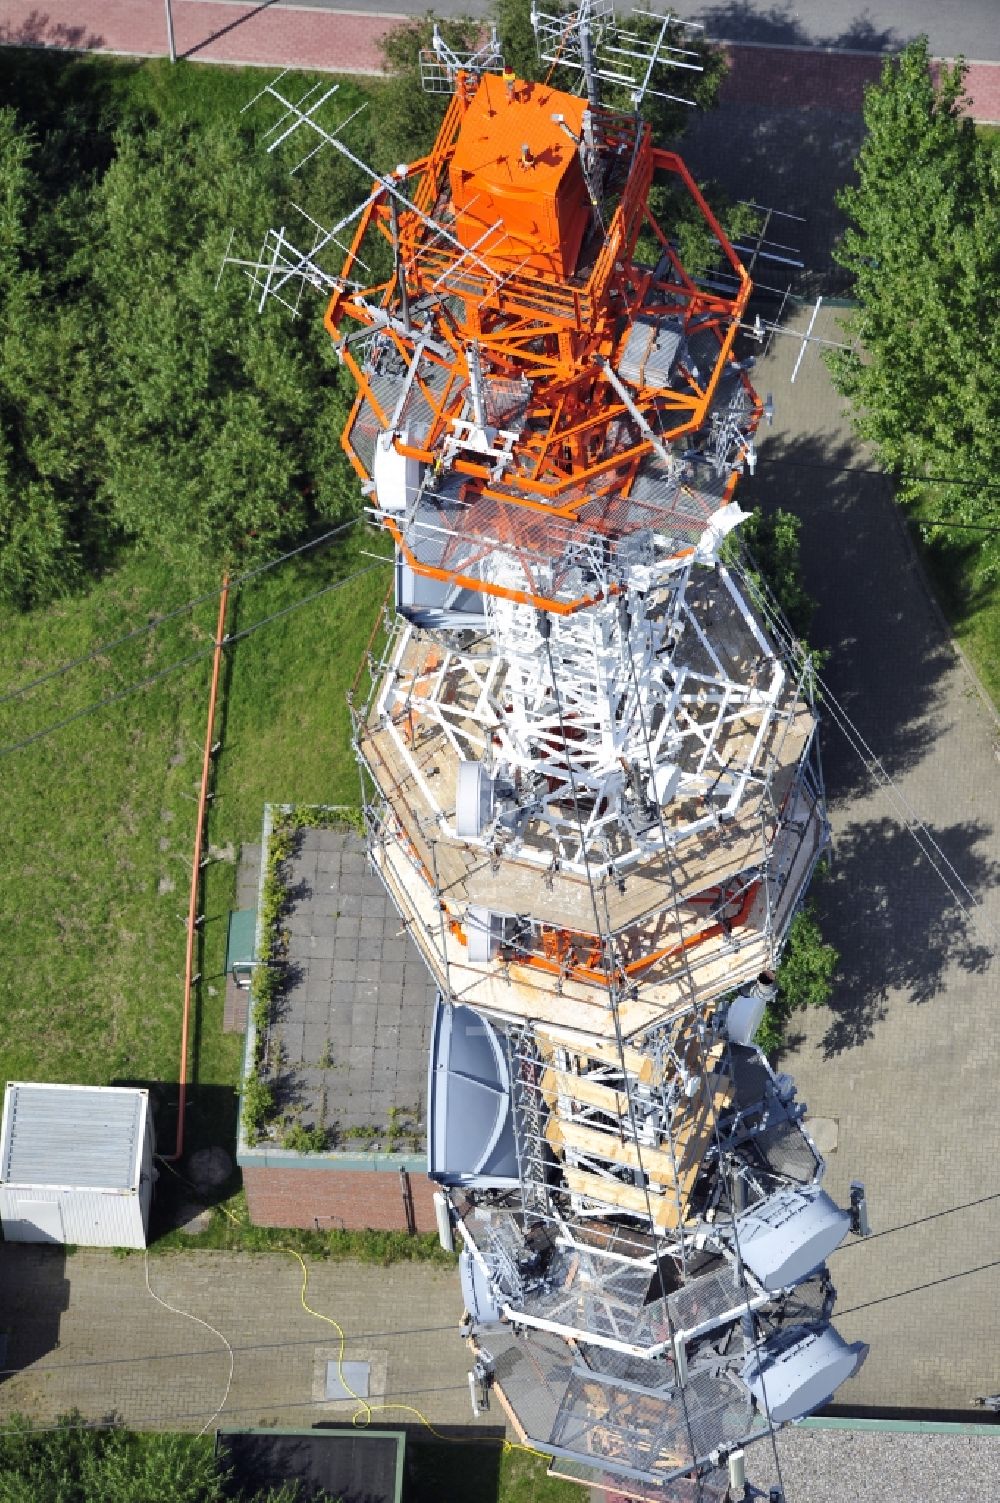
866, 1466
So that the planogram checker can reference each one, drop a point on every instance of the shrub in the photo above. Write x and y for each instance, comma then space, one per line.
805, 977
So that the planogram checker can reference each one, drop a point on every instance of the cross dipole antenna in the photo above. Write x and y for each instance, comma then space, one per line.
760, 327
589, 40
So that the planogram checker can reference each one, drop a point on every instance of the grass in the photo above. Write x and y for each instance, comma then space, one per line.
37, 82
99, 816
230, 1230
972, 605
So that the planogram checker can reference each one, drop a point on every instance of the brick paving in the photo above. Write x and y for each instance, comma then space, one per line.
345, 41
210, 31
804, 78
86, 1335
903, 1061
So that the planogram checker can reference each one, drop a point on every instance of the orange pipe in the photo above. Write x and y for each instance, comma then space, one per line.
196, 872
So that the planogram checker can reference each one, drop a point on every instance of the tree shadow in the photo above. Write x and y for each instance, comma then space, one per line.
790, 159
780, 26
39, 30
885, 652
884, 908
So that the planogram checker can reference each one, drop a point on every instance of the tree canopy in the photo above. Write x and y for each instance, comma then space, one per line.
143, 405
923, 248
140, 402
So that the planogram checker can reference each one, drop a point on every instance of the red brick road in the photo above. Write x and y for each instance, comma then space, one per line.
231, 31
216, 31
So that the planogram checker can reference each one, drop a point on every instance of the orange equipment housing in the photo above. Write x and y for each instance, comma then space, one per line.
516, 180
510, 256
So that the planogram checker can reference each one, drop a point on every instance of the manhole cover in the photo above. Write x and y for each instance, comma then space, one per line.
347, 1380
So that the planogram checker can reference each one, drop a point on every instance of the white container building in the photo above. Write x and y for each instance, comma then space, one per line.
76, 1164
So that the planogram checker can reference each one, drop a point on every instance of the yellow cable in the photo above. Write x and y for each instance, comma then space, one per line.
362, 1416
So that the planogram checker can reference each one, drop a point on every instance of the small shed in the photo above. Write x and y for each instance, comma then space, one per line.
76, 1164
352, 1465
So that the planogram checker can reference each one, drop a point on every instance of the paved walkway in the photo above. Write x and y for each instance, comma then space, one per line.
85, 1334
347, 41
904, 1062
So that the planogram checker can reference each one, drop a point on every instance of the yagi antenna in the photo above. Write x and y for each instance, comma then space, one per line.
761, 327
440, 64
285, 261
590, 40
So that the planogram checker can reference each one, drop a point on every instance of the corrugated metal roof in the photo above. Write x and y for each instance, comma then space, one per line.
72, 1135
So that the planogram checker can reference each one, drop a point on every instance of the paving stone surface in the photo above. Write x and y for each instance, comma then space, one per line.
85, 1334
353, 1027
903, 1060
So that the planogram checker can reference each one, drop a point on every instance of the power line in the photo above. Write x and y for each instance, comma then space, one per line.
846, 469
907, 815
195, 657
158, 620
707, 1076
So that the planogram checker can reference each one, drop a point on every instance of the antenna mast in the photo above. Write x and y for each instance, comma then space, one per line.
591, 776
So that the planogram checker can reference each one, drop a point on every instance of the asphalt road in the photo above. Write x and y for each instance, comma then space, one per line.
967, 28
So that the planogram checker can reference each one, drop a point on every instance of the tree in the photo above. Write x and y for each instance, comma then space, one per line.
772, 540
74, 1463
218, 428
46, 380
923, 248
805, 977
409, 116
139, 402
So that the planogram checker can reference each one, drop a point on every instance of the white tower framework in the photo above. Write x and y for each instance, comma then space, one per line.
591, 780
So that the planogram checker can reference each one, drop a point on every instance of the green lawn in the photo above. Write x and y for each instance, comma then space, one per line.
971, 604
99, 816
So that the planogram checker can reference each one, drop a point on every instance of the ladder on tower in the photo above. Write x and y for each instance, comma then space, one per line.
529, 1115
